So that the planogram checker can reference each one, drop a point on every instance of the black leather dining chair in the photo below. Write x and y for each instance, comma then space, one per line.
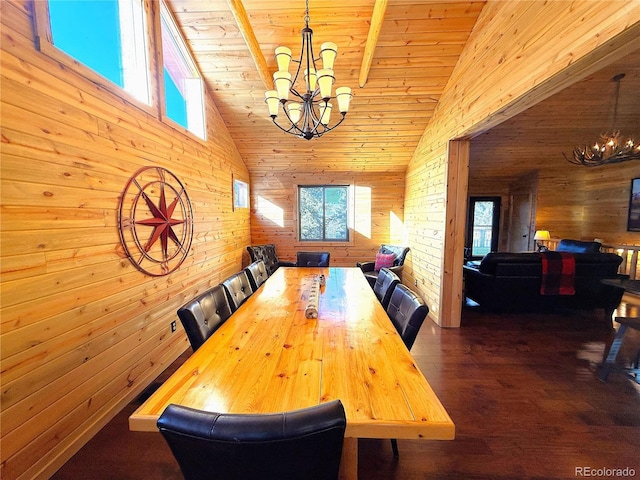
203, 315
385, 284
257, 274
267, 253
303, 444
407, 311
238, 289
313, 259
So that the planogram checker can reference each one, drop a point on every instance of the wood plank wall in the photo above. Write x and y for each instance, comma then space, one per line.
378, 216
513, 59
83, 331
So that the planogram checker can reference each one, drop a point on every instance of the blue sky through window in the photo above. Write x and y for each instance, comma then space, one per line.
89, 31
175, 103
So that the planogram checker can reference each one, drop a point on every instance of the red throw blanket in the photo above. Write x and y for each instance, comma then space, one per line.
558, 273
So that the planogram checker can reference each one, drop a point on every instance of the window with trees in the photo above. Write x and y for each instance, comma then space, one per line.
323, 213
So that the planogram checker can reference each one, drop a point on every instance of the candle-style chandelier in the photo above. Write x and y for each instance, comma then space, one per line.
611, 148
308, 113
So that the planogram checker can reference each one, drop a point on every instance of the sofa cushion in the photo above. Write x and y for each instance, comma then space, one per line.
577, 246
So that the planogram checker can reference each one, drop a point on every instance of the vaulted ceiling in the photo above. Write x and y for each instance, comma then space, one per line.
413, 56
417, 48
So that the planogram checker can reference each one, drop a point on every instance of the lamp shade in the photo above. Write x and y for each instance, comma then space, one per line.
328, 52
542, 235
283, 57
271, 97
325, 80
325, 112
343, 94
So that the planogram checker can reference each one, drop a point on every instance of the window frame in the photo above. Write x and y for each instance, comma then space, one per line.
235, 182
44, 44
350, 207
178, 38
495, 223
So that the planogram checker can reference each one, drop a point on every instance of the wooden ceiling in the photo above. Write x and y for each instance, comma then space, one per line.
417, 48
578, 115
412, 59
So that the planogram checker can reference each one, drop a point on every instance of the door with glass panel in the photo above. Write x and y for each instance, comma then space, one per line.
483, 227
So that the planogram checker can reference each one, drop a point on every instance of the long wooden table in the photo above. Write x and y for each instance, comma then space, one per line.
269, 358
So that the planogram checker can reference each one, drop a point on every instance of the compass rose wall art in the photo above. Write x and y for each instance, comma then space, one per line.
155, 221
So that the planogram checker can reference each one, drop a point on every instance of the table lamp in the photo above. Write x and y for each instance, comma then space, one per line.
541, 235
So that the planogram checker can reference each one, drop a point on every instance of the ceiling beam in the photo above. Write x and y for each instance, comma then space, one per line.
377, 18
242, 19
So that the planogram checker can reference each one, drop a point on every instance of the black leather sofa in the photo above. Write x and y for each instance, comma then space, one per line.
508, 282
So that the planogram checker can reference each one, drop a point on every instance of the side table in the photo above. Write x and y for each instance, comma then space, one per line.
633, 287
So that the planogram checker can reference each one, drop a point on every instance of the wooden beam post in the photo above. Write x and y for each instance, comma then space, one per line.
377, 18
242, 19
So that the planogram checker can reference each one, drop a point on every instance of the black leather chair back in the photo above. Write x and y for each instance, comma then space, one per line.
399, 251
238, 289
407, 311
257, 274
303, 444
313, 259
204, 314
385, 284
266, 253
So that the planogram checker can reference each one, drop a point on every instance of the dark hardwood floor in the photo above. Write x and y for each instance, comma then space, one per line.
522, 390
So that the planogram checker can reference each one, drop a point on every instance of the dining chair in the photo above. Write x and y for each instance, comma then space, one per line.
303, 444
407, 311
238, 289
203, 315
313, 259
267, 253
257, 274
385, 284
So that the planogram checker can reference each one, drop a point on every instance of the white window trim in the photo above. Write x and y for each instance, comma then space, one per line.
144, 100
194, 90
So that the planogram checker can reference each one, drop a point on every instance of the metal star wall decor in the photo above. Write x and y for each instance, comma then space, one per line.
156, 233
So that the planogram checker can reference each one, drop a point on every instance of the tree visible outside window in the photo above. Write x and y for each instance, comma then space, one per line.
240, 194
108, 36
183, 86
323, 213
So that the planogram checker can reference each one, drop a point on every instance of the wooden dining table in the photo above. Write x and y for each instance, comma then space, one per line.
268, 357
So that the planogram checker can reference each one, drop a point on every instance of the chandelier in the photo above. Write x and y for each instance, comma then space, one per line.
611, 148
308, 112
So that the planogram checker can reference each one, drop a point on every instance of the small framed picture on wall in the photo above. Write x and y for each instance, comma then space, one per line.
633, 220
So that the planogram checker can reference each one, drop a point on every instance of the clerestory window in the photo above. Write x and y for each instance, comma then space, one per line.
107, 36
